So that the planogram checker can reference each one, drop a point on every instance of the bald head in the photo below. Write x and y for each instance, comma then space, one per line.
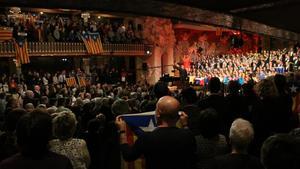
167, 109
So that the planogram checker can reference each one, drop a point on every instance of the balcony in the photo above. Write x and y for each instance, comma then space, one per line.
7, 49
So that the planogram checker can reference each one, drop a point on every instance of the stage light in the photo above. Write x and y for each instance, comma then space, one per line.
41, 13
99, 17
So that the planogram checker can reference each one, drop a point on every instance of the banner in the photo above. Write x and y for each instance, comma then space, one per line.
21, 47
81, 81
92, 42
5, 34
71, 81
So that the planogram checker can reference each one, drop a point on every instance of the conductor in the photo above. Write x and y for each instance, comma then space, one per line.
182, 73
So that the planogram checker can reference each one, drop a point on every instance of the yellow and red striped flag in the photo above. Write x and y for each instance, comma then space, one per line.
71, 81
92, 42
81, 81
85, 39
138, 163
5, 34
137, 124
21, 47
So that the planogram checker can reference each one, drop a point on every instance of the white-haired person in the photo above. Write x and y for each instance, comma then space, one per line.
64, 126
240, 136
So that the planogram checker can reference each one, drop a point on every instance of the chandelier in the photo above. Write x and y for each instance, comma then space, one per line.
85, 16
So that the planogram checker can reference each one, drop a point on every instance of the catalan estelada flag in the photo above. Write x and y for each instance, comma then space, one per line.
92, 42
137, 124
81, 81
5, 34
71, 81
21, 47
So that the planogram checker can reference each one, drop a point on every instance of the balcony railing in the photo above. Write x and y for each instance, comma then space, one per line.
7, 49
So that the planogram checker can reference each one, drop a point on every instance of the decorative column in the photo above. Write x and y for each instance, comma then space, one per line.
154, 66
168, 60
160, 33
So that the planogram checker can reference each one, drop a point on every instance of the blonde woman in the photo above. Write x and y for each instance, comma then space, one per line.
64, 126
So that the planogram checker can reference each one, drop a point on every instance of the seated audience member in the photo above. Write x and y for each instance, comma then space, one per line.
210, 143
165, 147
64, 126
8, 139
241, 134
33, 133
281, 151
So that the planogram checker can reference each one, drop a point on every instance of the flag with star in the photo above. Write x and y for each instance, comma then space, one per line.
137, 124
92, 42
295, 92
141, 122
21, 47
96, 42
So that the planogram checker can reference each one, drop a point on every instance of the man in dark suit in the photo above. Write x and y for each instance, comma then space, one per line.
183, 73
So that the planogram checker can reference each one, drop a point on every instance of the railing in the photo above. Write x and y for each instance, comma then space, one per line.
7, 49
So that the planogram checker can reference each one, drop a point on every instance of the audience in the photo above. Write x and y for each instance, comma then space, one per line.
91, 112
66, 28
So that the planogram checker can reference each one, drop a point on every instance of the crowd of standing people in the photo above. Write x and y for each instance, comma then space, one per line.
46, 125
68, 28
